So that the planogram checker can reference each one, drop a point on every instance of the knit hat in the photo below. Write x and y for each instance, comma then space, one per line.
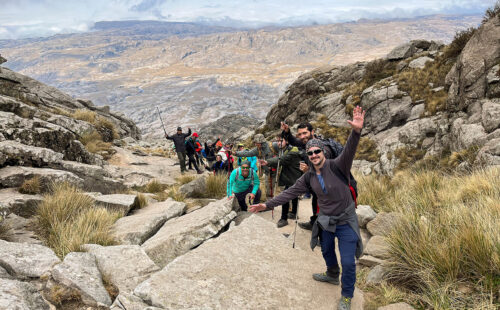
209, 141
315, 143
179, 129
246, 162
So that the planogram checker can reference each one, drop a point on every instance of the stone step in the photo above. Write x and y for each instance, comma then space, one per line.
118, 202
13, 201
145, 222
14, 176
251, 266
181, 234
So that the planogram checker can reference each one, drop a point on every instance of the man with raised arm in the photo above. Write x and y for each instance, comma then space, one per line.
179, 141
329, 180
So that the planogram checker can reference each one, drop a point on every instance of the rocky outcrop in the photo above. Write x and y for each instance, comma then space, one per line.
20, 295
118, 202
15, 176
195, 188
231, 127
212, 274
179, 235
145, 222
12, 201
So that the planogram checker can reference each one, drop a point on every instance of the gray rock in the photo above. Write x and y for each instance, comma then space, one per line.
145, 222
15, 176
4, 274
126, 301
179, 235
416, 112
383, 223
377, 247
21, 204
419, 63
489, 154
467, 135
376, 275
2, 60
24, 260
365, 214
21, 229
79, 271
370, 261
397, 306
78, 127
402, 51
95, 178
118, 202
22, 154
20, 296
491, 114
492, 76
129, 140
123, 265
195, 188
212, 274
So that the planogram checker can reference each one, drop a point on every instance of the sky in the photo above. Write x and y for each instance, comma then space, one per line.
35, 18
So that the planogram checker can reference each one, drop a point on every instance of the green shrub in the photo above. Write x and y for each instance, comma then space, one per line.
459, 41
491, 13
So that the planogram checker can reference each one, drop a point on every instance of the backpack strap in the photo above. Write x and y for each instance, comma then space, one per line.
345, 180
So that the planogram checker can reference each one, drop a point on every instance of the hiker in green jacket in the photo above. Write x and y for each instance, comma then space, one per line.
242, 182
290, 171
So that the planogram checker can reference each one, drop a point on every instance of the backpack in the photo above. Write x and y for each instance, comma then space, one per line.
238, 174
352, 187
336, 148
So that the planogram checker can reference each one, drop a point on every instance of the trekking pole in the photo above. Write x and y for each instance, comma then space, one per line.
295, 229
159, 114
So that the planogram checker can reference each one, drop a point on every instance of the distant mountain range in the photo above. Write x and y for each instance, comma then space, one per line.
197, 73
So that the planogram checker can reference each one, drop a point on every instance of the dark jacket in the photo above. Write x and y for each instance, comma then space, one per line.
265, 153
331, 152
289, 166
179, 140
210, 152
219, 167
190, 148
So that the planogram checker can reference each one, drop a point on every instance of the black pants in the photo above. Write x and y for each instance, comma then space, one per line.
314, 205
192, 160
286, 206
241, 198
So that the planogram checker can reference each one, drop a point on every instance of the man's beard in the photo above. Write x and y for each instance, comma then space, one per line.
306, 139
320, 163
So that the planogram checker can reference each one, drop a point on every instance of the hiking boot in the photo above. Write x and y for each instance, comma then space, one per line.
324, 277
306, 225
344, 303
199, 172
291, 216
282, 223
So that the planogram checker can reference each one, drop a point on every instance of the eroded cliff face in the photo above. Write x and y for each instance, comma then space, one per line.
421, 102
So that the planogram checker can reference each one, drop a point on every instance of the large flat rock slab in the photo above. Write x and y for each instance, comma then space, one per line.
22, 154
117, 202
13, 201
124, 265
179, 235
79, 271
145, 222
24, 260
251, 266
14, 176
20, 296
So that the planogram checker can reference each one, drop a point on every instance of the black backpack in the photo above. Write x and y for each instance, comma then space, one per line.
348, 182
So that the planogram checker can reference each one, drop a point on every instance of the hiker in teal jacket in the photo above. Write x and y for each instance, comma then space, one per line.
244, 181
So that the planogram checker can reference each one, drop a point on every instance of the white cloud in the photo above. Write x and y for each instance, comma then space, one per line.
24, 18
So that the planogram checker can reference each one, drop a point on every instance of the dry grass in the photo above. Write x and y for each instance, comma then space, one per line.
408, 156
67, 218
31, 186
175, 194
154, 186
5, 230
59, 294
85, 115
216, 186
493, 12
143, 200
448, 237
112, 290
185, 179
107, 129
94, 144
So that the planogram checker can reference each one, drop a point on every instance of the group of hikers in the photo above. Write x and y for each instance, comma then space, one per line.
303, 164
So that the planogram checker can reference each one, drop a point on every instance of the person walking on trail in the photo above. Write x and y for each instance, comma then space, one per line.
290, 172
261, 151
337, 216
191, 151
252, 160
242, 182
179, 143
305, 132
219, 167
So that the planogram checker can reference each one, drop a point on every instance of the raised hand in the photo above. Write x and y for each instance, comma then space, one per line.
284, 127
358, 117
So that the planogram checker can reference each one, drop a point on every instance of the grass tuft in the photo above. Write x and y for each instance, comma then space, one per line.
184, 179
31, 186
216, 186
85, 115
94, 144
143, 200
67, 219
175, 194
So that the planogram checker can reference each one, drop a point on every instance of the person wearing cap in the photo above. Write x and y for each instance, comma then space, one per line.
179, 142
242, 182
252, 160
262, 152
337, 215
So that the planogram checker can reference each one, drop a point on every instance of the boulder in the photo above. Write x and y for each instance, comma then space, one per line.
377, 247
402, 51
15, 176
76, 126
419, 63
181, 234
95, 178
376, 275
22, 154
118, 202
491, 114
79, 271
4, 274
365, 214
25, 261
20, 296
195, 188
370, 261
397, 306
123, 265
467, 135
21, 229
383, 223
2, 60
13, 201
145, 222
253, 256
126, 301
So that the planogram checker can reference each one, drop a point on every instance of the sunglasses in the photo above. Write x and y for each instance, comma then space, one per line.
245, 168
310, 153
